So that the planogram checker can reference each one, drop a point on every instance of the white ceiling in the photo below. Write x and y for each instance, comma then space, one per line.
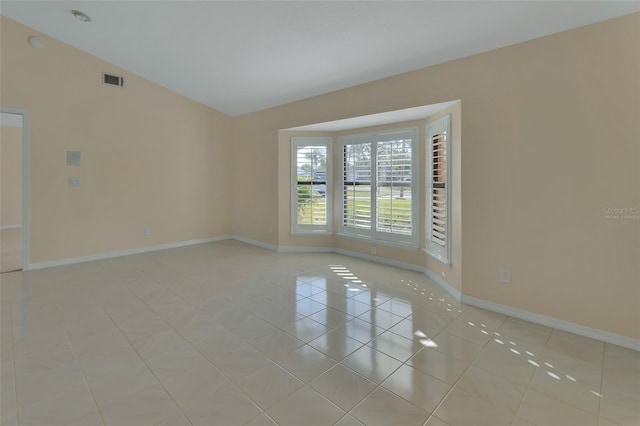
243, 56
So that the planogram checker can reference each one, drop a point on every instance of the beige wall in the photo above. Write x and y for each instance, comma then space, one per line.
10, 176
150, 157
550, 138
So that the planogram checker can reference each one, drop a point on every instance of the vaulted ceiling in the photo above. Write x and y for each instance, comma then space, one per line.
243, 56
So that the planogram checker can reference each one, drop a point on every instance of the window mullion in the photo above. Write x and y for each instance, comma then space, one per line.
374, 185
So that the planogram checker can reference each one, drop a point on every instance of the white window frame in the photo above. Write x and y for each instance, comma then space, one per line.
435, 249
309, 229
385, 238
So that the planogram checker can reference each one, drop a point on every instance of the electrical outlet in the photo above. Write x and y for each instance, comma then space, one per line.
374, 250
505, 275
73, 181
147, 230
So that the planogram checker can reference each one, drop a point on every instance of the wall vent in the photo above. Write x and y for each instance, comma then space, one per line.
112, 79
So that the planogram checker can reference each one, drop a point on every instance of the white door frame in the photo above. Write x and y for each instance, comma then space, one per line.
25, 180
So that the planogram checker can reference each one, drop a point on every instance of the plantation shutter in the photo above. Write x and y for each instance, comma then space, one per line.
393, 182
356, 189
377, 186
310, 188
437, 237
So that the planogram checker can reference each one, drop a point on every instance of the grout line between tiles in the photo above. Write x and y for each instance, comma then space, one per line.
136, 351
13, 362
75, 356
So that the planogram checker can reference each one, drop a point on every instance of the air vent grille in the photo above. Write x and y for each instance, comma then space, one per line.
112, 79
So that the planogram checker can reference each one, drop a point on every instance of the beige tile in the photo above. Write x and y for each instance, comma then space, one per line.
250, 327
121, 383
138, 330
571, 368
169, 364
239, 361
480, 397
306, 329
39, 379
307, 306
421, 322
335, 345
442, 366
396, 346
268, 385
552, 383
262, 420
360, 330
620, 408
455, 346
305, 407
276, 345
399, 307
434, 421
381, 318
8, 413
92, 419
525, 351
352, 307
505, 364
417, 387
61, 407
348, 421
342, 386
331, 317
540, 410
372, 364
526, 331
483, 318
226, 406
605, 422
622, 382
195, 388
149, 407
306, 363
470, 331
204, 319
98, 364
577, 346
384, 408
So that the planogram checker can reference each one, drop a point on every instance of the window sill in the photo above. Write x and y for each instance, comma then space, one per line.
438, 258
310, 233
371, 240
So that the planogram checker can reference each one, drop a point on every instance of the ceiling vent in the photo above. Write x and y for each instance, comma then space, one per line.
112, 79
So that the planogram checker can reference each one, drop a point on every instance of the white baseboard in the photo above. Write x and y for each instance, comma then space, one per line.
6, 227
254, 242
454, 292
310, 249
556, 323
120, 253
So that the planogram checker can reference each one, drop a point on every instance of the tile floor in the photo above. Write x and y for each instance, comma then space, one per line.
230, 334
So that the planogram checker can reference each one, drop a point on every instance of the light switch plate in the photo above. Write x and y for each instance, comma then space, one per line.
73, 158
74, 181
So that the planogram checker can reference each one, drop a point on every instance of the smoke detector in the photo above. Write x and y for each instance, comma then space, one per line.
81, 16
36, 42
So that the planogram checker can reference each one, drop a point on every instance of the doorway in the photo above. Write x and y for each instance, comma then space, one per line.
13, 190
